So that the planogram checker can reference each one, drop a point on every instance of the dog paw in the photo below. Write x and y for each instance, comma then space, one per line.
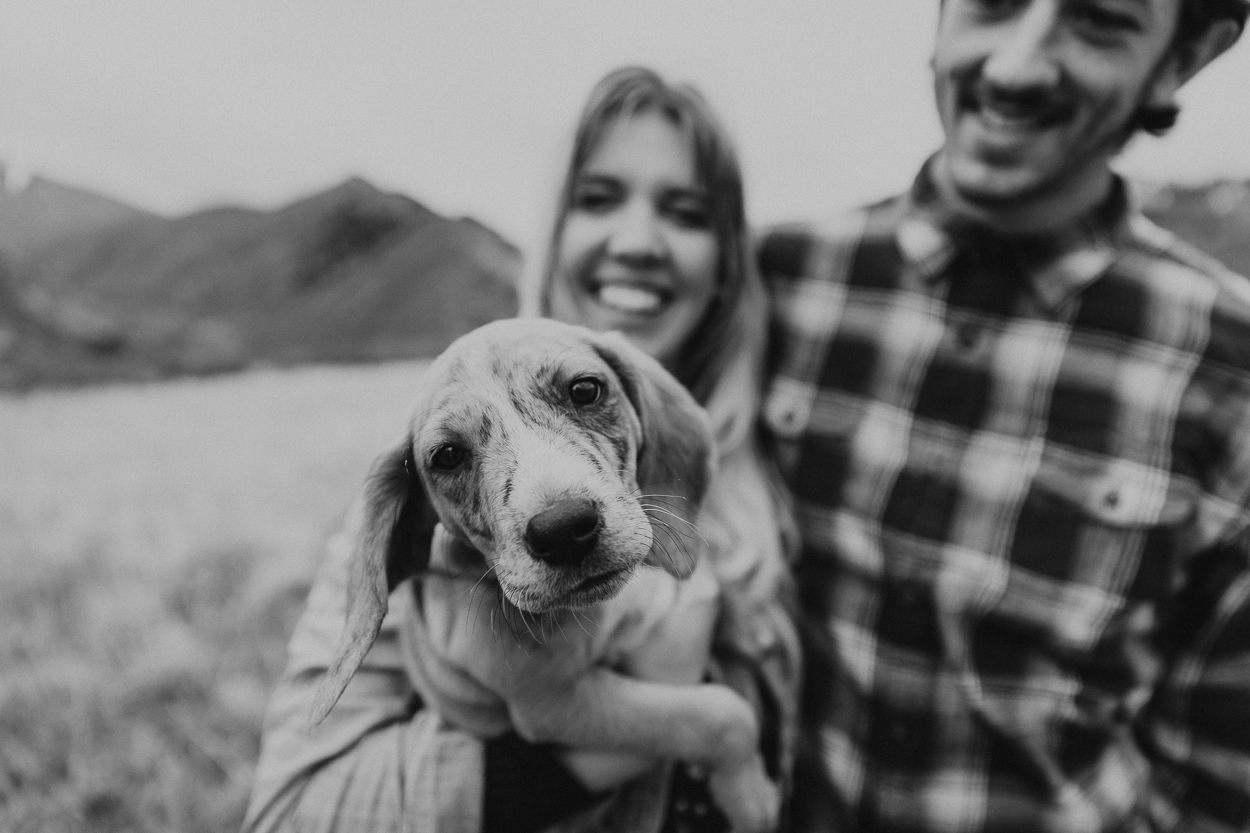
750, 801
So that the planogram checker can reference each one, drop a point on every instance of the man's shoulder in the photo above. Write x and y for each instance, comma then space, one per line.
1155, 241
1157, 249
796, 249
1197, 280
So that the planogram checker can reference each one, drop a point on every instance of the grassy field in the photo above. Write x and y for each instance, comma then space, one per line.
156, 545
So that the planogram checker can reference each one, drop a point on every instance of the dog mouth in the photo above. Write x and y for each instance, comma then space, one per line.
585, 592
604, 582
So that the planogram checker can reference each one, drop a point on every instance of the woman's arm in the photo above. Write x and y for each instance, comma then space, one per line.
377, 761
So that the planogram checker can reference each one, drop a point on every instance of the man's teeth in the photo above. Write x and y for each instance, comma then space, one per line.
1009, 120
628, 298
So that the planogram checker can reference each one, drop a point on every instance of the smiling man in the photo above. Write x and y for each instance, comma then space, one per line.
1015, 418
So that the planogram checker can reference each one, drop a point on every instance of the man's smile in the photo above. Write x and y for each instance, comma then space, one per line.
1012, 118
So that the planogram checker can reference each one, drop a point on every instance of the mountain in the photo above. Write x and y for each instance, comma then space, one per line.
35, 216
349, 274
1214, 217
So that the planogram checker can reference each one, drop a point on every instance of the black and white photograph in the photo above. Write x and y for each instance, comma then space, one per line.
557, 416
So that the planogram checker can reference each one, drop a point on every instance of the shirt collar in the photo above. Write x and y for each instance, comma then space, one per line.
1058, 265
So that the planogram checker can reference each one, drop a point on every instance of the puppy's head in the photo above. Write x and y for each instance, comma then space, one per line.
565, 457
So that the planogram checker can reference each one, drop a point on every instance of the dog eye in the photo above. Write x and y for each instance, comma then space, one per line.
585, 391
447, 457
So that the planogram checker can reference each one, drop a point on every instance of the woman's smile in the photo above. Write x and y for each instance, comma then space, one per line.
631, 296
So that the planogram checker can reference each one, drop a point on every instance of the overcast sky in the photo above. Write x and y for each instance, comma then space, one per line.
467, 105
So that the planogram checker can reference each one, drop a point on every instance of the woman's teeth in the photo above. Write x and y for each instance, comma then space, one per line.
630, 298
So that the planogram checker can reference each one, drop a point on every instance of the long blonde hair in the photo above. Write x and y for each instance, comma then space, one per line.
721, 361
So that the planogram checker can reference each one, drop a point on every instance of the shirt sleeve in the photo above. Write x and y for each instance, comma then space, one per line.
378, 761
1197, 728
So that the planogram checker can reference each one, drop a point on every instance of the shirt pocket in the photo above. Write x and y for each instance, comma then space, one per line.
1092, 557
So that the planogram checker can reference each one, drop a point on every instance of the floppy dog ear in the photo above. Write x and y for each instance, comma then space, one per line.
676, 455
393, 542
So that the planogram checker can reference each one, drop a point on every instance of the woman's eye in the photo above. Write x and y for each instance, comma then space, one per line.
995, 7
595, 198
586, 390
448, 457
687, 212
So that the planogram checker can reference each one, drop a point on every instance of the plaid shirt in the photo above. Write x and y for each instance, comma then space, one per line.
1022, 474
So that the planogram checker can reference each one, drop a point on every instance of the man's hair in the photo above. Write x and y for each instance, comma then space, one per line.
1196, 18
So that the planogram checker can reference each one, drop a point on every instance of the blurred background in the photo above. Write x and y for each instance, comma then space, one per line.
232, 232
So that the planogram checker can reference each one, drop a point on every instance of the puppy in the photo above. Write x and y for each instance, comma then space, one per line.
562, 469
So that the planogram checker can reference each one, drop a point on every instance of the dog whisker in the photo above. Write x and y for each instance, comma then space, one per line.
658, 495
482, 596
655, 507
506, 614
686, 558
525, 622
502, 609
668, 556
663, 483
490, 568
663, 500
659, 543
694, 529
578, 619
673, 538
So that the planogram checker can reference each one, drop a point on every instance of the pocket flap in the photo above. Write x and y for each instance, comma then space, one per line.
1115, 492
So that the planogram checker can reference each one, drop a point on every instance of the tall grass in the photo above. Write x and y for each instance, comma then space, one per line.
156, 544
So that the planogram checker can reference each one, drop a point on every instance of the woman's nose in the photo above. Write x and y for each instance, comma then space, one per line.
1023, 57
636, 237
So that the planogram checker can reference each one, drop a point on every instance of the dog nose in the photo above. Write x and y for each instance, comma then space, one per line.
565, 532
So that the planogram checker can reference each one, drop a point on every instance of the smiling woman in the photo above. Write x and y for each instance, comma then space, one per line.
638, 253
650, 233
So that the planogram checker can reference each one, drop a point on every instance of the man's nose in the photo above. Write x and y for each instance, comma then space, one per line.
636, 236
1024, 57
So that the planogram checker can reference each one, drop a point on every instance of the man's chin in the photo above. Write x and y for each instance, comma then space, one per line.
992, 184
1023, 197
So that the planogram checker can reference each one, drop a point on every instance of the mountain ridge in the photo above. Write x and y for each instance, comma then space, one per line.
44, 210
349, 273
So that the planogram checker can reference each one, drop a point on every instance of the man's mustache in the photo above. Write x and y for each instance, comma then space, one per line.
1045, 103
